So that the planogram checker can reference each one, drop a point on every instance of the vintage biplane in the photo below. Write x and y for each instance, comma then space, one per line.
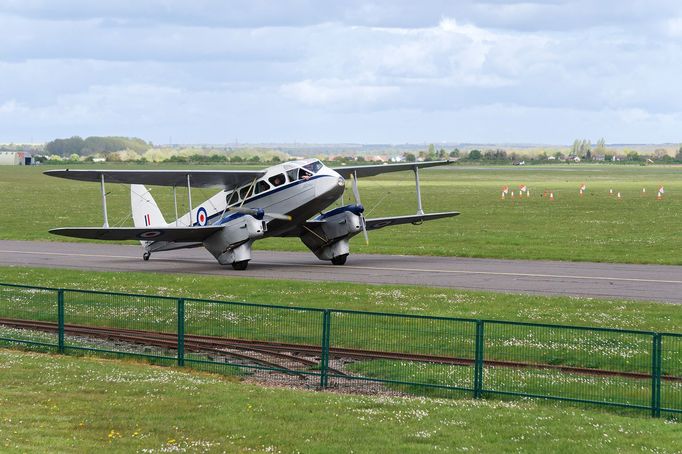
285, 200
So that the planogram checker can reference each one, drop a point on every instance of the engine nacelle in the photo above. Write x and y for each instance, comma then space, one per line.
233, 243
329, 239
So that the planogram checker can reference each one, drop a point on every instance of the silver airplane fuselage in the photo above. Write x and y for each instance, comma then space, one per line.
299, 189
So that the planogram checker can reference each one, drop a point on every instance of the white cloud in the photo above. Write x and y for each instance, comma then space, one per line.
333, 92
297, 69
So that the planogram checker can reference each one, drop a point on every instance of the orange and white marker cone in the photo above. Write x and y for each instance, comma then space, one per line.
610, 191
551, 196
618, 196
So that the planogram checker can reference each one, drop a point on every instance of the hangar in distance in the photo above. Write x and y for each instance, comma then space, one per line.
285, 200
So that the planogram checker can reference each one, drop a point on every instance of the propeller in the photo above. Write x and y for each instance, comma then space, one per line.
258, 213
356, 193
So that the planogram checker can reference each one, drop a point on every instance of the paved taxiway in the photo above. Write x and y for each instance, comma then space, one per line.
643, 282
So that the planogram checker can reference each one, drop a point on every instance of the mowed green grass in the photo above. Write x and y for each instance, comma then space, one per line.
414, 300
596, 227
66, 404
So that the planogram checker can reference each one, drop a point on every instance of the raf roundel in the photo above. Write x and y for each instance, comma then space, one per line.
148, 235
202, 216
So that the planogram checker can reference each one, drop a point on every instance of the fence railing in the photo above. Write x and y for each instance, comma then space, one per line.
355, 350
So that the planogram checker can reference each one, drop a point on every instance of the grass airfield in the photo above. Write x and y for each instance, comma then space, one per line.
596, 227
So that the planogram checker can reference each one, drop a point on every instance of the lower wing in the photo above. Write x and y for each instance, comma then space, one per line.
176, 234
378, 223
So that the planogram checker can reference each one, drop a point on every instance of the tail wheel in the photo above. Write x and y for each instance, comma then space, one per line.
339, 259
146, 256
240, 266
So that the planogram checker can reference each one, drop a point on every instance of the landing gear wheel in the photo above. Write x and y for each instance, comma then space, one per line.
146, 256
240, 266
339, 259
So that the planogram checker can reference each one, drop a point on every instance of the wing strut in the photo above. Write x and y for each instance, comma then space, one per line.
189, 197
419, 193
175, 203
104, 203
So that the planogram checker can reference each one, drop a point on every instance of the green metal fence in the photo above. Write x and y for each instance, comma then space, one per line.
354, 350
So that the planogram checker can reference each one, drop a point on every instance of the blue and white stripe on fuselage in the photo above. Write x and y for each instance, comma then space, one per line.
301, 199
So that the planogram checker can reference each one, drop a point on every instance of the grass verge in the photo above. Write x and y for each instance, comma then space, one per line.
67, 404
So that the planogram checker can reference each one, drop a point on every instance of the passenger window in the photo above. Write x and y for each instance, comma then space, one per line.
243, 191
232, 198
261, 186
277, 180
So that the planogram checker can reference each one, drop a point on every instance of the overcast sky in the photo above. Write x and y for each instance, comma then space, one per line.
328, 72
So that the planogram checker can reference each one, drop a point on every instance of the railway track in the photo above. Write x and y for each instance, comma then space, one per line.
282, 356
259, 355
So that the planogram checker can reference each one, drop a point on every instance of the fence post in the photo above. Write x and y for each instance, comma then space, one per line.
656, 360
324, 357
60, 320
181, 332
478, 361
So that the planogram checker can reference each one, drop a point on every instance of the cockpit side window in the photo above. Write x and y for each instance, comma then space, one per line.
277, 180
292, 174
303, 174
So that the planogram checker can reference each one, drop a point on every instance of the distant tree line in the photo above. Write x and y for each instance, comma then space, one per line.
582, 149
92, 145
221, 158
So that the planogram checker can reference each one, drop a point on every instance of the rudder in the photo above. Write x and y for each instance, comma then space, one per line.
145, 211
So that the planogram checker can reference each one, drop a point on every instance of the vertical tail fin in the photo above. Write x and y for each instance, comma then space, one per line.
145, 211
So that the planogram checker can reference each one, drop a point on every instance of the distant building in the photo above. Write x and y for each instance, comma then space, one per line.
15, 158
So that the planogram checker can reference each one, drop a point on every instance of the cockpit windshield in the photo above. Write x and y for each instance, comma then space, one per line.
313, 167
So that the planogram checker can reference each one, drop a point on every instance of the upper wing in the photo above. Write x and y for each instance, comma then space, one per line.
371, 170
378, 223
197, 178
177, 234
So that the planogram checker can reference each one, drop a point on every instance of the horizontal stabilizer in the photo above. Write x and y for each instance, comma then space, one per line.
173, 234
378, 223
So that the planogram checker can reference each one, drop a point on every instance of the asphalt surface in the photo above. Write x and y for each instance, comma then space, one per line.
640, 282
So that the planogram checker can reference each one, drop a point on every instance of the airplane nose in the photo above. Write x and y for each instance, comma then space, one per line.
332, 188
